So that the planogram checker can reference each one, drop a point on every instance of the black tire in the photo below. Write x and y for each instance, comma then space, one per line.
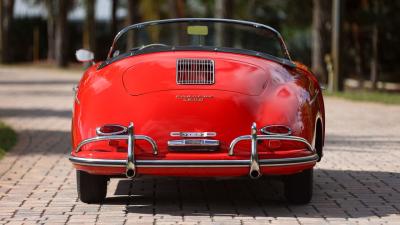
299, 187
91, 188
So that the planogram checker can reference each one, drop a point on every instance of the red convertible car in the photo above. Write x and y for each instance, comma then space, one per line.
197, 98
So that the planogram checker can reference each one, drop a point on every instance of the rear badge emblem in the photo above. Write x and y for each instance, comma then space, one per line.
193, 98
193, 134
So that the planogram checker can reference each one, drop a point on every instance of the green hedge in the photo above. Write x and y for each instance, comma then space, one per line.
380, 97
8, 138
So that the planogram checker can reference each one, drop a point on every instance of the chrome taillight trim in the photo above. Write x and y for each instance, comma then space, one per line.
195, 71
264, 131
124, 130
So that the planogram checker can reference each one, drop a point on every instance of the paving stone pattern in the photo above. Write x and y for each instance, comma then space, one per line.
357, 182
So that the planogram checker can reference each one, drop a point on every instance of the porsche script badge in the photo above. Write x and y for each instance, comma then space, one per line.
193, 98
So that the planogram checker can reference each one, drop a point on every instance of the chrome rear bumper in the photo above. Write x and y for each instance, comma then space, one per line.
254, 162
193, 163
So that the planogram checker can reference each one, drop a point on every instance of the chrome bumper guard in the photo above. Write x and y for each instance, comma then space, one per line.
131, 137
130, 163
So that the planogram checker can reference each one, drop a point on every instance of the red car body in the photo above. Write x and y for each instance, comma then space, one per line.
141, 94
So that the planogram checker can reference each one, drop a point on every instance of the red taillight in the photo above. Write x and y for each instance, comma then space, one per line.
284, 145
111, 129
276, 130
274, 144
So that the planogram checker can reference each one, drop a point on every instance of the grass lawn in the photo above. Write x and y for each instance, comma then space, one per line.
381, 97
8, 138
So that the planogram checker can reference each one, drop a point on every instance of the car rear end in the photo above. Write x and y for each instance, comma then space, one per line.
192, 114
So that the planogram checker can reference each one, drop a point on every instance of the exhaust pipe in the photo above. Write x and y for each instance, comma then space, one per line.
254, 174
130, 171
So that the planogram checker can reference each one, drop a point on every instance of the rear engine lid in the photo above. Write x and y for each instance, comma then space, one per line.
188, 73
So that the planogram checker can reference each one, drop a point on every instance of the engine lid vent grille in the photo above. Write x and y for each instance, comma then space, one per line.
195, 71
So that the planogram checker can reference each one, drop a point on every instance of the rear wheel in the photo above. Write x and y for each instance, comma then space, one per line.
91, 188
299, 187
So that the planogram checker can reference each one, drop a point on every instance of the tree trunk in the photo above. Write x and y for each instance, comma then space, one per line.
316, 45
177, 8
320, 37
374, 56
132, 18
180, 8
114, 19
337, 51
51, 17
374, 45
89, 32
6, 16
251, 4
1, 31
151, 11
61, 44
223, 9
358, 59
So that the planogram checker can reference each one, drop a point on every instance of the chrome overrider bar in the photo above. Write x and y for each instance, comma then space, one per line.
131, 137
130, 165
255, 171
254, 163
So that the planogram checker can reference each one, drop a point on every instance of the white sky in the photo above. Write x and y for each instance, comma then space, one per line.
24, 8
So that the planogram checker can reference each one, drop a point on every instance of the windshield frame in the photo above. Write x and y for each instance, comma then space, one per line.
241, 22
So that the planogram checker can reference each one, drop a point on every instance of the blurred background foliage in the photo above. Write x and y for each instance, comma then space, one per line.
51, 30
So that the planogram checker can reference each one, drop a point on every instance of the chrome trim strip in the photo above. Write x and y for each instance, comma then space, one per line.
278, 162
314, 97
75, 89
193, 163
98, 162
193, 142
193, 134
118, 137
270, 137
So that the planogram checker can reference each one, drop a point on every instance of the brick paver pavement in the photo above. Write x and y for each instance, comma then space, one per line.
358, 181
